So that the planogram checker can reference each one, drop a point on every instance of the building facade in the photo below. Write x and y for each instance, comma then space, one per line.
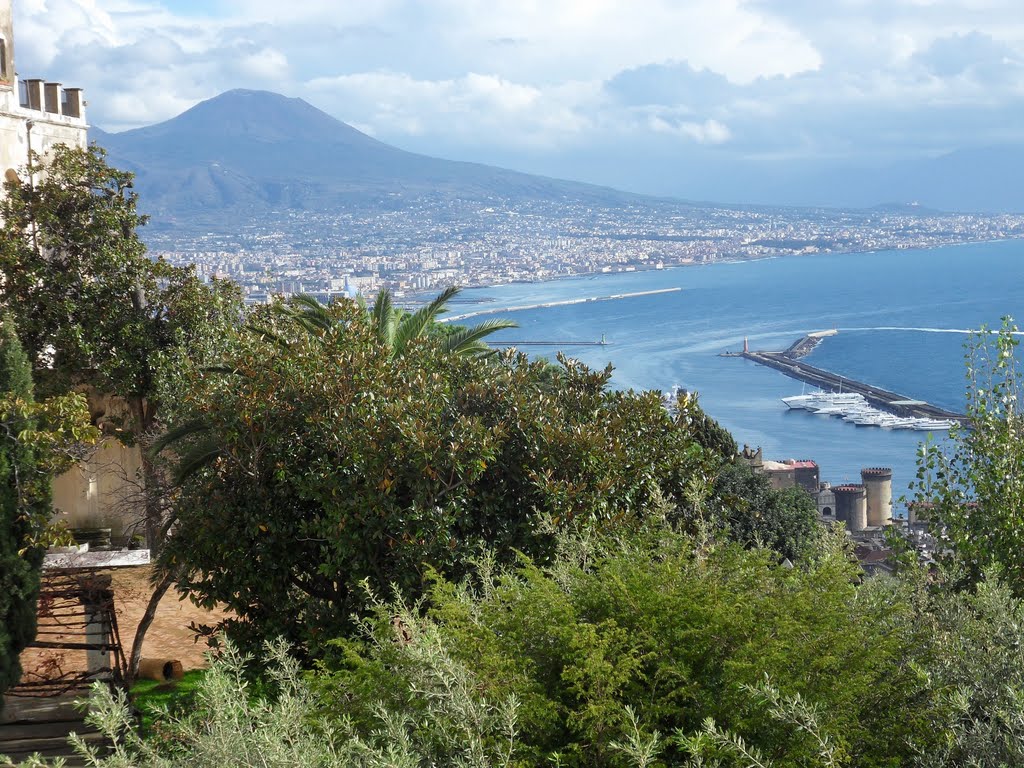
35, 114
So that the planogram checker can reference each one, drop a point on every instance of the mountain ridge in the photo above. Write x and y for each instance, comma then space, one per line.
250, 150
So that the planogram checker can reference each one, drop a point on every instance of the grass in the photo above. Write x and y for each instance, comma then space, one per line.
150, 696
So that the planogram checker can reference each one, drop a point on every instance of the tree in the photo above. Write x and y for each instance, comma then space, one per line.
785, 521
92, 310
35, 443
95, 313
314, 464
396, 328
973, 487
642, 636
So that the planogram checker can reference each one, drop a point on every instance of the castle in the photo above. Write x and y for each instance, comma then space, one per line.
35, 115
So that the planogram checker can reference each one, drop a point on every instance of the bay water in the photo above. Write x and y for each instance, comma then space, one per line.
902, 319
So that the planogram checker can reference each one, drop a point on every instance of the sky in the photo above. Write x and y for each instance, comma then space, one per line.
710, 99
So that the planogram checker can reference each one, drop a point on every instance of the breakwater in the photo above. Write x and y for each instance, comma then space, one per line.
787, 362
563, 303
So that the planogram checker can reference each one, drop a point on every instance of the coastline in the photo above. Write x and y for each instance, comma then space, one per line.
638, 270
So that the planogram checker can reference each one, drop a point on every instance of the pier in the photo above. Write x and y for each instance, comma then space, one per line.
787, 362
563, 303
502, 343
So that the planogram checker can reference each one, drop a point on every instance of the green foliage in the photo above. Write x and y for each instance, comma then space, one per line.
707, 432
90, 306
19, 565
396, 329
976, 674
635, 643
973, 487
232, 726
785, 521
327, 460
35, 441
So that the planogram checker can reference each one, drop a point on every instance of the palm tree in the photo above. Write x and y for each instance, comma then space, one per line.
396, 328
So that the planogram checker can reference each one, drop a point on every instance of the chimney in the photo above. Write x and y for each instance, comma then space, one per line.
34, 90
52, 93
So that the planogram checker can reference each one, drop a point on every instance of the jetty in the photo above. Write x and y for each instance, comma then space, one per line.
563, 303
789, 363
503, 343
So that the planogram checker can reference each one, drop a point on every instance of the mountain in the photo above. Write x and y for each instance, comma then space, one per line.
248, 151
971, 179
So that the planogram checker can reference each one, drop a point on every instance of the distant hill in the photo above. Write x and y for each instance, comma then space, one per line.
975, 179
247, 151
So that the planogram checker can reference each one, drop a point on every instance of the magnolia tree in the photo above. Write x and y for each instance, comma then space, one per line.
314, 461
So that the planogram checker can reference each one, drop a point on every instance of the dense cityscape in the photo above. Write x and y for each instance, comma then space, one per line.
434, 243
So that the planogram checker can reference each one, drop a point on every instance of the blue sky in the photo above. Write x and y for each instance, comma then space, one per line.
662, 96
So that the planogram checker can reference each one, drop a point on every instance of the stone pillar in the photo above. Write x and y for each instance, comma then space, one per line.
98, 602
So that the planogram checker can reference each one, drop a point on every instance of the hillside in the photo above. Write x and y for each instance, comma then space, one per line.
246, 151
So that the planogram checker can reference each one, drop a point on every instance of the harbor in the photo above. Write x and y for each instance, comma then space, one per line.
905, 411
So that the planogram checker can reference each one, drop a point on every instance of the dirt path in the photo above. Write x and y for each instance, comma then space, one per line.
169, 637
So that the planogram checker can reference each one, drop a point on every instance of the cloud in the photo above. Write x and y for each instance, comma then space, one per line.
518, 81
470, 107
707, 132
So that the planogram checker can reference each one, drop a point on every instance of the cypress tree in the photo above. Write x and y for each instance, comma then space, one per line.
23, 494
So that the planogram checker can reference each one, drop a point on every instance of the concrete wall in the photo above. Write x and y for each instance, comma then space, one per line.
22, 127
6, 44
94, 493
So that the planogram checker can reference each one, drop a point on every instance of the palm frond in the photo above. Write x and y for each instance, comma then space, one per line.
171, 436
383, 318
267, 335
310, 313
198, 458
470, 340
412, 326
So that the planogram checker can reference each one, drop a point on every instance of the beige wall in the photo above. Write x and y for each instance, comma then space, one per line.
96, 493
47, 131
103, 492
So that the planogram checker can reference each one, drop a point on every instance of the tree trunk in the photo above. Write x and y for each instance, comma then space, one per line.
159, 590
154, 514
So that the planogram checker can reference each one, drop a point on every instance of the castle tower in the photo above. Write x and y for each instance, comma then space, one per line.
7, 45
35, 114
851, 506
878, 486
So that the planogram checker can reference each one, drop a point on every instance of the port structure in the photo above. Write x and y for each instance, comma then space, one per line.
789, 363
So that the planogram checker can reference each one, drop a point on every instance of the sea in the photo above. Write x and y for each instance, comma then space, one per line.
902, 319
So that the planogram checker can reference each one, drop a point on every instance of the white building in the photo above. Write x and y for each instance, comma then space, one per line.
35, 114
